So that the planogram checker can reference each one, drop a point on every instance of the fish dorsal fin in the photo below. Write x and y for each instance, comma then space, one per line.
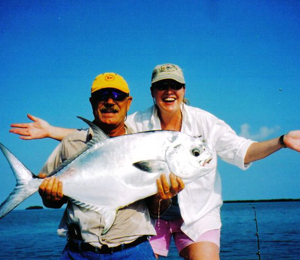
98, 137
151, 165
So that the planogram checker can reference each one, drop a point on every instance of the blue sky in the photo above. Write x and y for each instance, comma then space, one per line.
240, 60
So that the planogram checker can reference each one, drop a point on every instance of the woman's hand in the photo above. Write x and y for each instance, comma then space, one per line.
164, 189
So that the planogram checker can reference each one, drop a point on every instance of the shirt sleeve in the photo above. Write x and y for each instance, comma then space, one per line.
67, 148
53, 160
229, 146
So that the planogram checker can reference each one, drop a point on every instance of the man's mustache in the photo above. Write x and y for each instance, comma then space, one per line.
108, 110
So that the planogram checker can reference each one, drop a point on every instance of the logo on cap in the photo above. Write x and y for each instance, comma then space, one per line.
109, 77
167, 68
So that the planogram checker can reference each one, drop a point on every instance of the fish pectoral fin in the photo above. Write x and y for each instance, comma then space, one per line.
151, 166
108, 214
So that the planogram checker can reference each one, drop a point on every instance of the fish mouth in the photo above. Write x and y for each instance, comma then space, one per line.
206, 161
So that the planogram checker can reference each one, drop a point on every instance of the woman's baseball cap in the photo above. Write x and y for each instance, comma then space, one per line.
167, 71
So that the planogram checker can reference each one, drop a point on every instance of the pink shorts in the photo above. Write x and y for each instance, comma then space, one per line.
165, 229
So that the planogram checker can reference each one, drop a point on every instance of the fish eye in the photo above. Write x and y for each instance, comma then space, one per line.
196, 152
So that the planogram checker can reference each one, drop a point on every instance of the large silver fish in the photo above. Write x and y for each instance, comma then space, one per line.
111, 173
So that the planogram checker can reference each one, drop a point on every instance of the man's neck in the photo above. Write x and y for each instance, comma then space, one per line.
112, 130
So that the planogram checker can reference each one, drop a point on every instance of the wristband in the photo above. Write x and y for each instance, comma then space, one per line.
281, 141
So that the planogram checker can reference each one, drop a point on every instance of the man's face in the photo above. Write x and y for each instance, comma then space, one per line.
110, 107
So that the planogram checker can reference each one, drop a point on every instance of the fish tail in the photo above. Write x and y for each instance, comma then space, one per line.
26, 183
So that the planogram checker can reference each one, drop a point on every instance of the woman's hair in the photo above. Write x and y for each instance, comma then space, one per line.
186, 101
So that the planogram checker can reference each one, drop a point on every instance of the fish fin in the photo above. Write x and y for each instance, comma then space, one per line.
99, 135
26, 183
108, 214
151, 165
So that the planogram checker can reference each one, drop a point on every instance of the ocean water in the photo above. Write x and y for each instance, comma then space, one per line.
31, 234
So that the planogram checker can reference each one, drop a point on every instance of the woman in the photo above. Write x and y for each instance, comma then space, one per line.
196, 225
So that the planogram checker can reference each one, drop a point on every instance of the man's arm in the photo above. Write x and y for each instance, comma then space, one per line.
39, 129
260, 150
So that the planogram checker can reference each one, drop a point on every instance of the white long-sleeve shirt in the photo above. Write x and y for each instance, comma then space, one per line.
200, 201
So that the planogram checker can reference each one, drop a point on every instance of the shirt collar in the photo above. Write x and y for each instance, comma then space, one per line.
155, 122
90, 133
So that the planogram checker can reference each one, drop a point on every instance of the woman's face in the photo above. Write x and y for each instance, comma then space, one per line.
168, 95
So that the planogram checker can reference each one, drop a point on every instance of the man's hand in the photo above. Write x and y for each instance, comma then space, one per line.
37, 130
51, 191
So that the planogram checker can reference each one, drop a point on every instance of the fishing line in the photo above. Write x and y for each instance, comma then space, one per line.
257, 234
158, 214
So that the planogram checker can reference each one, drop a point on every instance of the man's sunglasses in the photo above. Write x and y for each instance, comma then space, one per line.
165, 85
106, 94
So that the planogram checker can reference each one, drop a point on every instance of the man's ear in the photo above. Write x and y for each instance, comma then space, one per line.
93, 104
129, 100
91, 101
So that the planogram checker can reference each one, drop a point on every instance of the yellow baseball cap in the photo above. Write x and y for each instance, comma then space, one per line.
110, 80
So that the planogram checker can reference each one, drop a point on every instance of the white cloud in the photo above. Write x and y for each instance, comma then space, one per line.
263, 133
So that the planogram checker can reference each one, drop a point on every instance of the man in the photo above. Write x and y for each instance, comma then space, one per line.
128, 236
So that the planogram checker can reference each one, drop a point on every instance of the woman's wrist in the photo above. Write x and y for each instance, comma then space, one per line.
281, 141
